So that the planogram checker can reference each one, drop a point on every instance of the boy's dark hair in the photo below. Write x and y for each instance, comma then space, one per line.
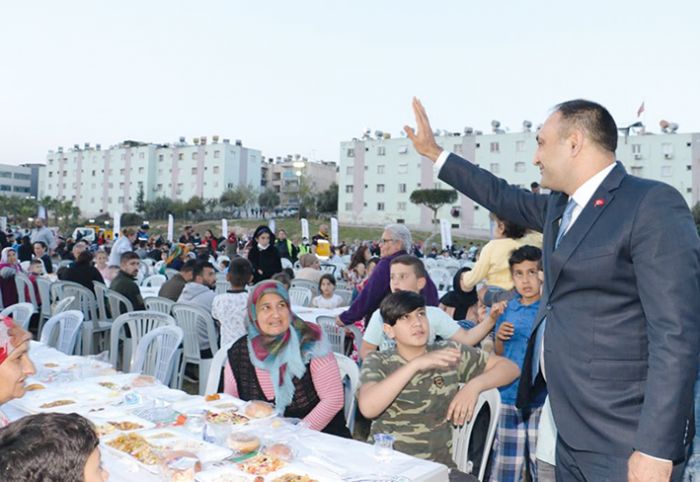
510, 229
36, 261
525, 253
42, 244
128, 256
327, 276
199, 268
189, 265
47, 446
410, 260
84, 258
282, 277
239, 272
400, 303
373, 259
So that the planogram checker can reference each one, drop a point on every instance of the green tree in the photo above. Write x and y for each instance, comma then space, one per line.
433, 199
140, 202
268, 199
327, 201
194, 205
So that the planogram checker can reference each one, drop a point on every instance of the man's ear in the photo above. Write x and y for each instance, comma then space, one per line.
421, 283
576, 138
389, 330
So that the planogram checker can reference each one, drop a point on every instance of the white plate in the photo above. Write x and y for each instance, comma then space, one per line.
104, 419
198, 402
182, 440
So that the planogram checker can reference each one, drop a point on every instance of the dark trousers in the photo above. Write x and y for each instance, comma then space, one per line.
583, 466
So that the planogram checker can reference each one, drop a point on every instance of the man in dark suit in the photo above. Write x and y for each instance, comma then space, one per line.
617, 334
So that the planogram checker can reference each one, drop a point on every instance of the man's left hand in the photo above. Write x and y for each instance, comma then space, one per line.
642, 468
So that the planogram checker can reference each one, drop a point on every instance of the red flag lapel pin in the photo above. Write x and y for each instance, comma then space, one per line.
598, 203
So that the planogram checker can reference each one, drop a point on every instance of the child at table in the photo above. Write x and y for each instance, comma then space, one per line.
51, 446
327, 299
230, 308
412, 391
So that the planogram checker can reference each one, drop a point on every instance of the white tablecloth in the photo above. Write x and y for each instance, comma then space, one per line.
322, 456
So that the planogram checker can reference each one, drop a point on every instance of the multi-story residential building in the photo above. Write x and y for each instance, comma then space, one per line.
377, 174
285, 176
23, 180
109, 180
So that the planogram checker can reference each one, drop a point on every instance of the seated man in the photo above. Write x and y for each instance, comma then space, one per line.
200, 292
172, 288
125, 281
407, 273
412, 391
51, 446
310, 268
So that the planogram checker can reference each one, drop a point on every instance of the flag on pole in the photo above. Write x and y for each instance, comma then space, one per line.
334, 232
271, 225
117, 224
640, 111
224, 227
446, 233
305, 228
42, 213
171, 225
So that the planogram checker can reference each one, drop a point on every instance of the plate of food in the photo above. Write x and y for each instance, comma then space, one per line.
121, 423
217, 401
261, 464
136, 446
173, 439
230, 417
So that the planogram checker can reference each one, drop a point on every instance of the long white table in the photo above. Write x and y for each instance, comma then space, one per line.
321, 456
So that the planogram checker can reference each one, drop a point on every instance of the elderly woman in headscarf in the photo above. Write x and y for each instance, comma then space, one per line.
286, 361
263, 255
15, 365
9, 267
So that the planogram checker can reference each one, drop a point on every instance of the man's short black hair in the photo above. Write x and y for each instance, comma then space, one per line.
47, 446
410, 260
189, 265
525, 253
239, 272
128, 256
534, 185
199, 268
591, 117
395, 305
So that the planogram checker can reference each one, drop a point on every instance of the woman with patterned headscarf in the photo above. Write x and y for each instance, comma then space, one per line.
15, 365
286, 361
176, 256
9, 267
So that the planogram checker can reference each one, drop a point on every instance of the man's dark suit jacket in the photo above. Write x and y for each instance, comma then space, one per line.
622, 302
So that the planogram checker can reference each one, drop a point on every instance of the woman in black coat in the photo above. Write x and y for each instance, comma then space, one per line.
263, 255
83, 271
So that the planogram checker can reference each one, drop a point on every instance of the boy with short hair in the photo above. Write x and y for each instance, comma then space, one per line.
51, 446
412, 391
408, 274
516, 436
230, 308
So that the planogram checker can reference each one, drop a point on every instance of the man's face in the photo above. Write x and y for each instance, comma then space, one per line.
186, 275
553, 154
207, 278
323, 229
131, 267
388, 245
39, 223
281, 235
77, 249
38, 250
403, 278
411, 329
526, 280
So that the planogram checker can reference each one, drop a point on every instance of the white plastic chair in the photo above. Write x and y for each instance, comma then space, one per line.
118, 304
169, 272
345, 294
93, 327
194, 320
286, 263
155, 280
349, 369
334, 333
300, 296
64, 305
158, 266
157, 353
44, 286
462, 435
24, 287
25, 265
215, 368
20, 312
101, 298
328, 268
159, 304
441, 277
68, 324
140, 323
222, 286
305, 283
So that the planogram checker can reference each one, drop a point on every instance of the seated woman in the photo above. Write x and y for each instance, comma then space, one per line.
15, 365
9, 267
286, 361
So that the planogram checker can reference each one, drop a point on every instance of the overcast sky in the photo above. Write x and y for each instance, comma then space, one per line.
300, 77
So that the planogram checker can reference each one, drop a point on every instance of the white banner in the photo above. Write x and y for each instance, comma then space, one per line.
305, 229
43, 215
334, 232
3, 223
224, 227
446, 233
117, 224
171, 225
271, 225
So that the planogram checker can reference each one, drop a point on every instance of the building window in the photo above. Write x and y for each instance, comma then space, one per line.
402, 187
380, 187
160, 157
180, 156
194, 156
667, 149
402, 169
348, 206
380, 206
495, 147
194, 171
636, 171
380, 169
636, 148
350, 152
403, 150
520, 146
141, 170
141, 155
495, 168
217, 154
51, 173
349, 188
519, 167
401, 206
216, 168
457, 148
381, 150
349, 170
666, 171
